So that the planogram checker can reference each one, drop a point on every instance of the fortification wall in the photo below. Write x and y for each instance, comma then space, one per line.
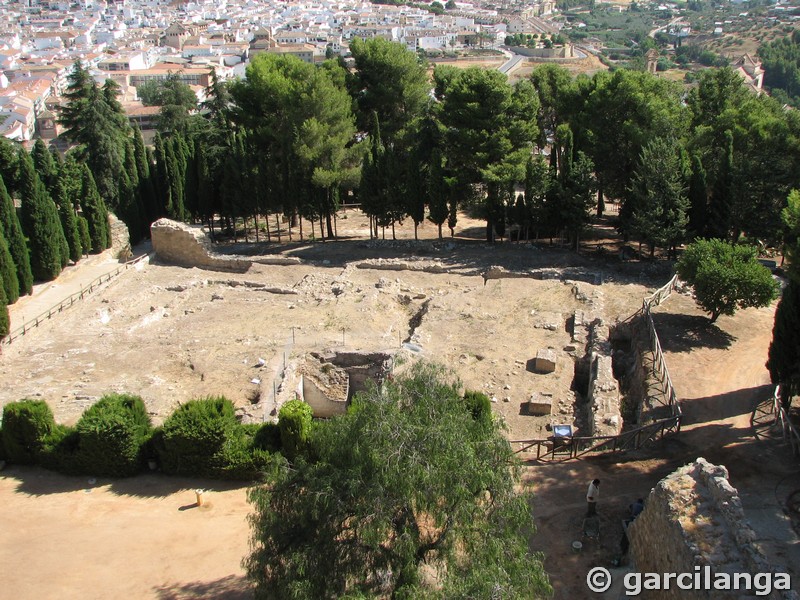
188, 246
694, 518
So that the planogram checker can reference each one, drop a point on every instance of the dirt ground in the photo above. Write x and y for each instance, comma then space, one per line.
170, 334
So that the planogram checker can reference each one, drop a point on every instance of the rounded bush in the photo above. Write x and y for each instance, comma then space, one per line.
294, 420
268, 437
26, 424
194, 436
59, 451
111, 436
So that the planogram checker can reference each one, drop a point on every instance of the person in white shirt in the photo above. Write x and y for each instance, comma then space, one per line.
592, 496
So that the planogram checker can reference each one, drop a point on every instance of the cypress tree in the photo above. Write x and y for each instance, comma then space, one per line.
83, 231
8, 272
784, 350
9, 167
161, 179
47, 244
45, 166
69, 221
95, 213
698, 198
12, 231
5, 319
721, 204
147, 192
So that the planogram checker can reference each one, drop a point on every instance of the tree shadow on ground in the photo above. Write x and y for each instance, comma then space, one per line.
36, 481
232, 587
158, 485
684, 333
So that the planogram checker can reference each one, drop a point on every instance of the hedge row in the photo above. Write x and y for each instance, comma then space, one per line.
115, 438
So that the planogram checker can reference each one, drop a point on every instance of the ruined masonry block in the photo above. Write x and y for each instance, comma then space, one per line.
545, 361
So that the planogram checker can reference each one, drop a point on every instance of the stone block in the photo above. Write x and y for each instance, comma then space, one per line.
545, 361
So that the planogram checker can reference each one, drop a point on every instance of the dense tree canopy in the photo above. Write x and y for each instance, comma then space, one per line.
726, 277
408, 482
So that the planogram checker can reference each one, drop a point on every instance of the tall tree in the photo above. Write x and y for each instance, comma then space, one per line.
5, 319
12, 230
388, 81
8, 272
95, 212
721, 203
489, 132
625, 110
369, 519
698, 199
45, 166
40, 223
438, 191
783, 360
658, 196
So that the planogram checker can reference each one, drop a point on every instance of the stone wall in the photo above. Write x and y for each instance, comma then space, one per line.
188, 246
120, 238
694, 518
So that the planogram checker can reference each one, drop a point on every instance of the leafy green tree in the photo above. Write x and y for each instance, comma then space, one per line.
12, 231
407, 478
8, 165
176, 99
41, 224
390, 82
659, 196
726, 277
489, 132
626, 110
8, 273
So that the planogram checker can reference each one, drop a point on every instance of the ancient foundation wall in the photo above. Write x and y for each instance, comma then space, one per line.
694, 518
188, 246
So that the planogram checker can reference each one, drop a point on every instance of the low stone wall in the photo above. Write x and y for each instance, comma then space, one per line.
188, 246
694, 518
120, 238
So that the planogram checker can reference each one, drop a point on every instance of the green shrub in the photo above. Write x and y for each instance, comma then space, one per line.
240, 458
268, 437
112, 434
2, 449
194, 437
25, 426
294, 421
479, 405
59, 451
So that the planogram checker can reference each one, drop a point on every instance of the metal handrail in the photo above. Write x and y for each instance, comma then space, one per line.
68, 301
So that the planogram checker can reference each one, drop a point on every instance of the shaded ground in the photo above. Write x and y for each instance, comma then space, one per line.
144, 538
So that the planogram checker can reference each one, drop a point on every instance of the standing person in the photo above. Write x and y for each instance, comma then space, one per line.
591, 497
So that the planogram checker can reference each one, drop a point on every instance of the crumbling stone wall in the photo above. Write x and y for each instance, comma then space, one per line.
188, 246
694, 517
120, 238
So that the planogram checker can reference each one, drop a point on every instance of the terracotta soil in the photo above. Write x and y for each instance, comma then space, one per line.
159, 332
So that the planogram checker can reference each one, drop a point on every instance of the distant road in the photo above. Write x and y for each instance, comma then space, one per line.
510, 64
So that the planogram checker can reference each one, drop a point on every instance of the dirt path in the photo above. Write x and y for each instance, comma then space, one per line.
719, 375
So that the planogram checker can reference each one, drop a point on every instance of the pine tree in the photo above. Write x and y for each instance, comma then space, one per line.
95, 213
12, 230
41, 224
8, 272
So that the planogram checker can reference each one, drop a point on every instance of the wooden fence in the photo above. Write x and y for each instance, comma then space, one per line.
68, 301
561, 449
